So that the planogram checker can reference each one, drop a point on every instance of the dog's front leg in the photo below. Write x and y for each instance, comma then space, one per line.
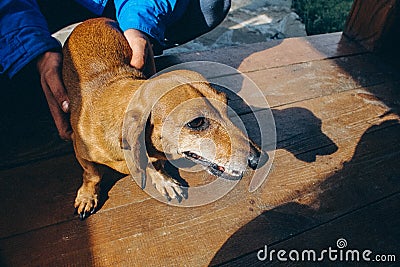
88, 194
163, 182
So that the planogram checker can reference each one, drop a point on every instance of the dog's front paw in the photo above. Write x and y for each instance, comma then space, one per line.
86, 202
168, 187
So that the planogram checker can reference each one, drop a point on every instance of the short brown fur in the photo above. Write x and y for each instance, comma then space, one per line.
101, 84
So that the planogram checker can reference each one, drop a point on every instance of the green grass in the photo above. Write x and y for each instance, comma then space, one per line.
323, 16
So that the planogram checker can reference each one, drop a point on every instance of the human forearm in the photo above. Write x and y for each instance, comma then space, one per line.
23, 35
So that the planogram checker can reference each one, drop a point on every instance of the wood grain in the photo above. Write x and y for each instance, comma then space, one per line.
371, 227
276, 53
337, 125
128, 232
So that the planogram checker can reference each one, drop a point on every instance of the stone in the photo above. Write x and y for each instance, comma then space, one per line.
249, 21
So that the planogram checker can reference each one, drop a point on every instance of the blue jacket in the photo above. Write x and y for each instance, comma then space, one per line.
24, 33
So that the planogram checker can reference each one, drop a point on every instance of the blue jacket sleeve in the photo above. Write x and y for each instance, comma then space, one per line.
149, 16
23, 35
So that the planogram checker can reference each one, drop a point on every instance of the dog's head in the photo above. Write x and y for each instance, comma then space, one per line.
183, 116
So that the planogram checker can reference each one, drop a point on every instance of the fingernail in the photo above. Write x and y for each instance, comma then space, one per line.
65, 106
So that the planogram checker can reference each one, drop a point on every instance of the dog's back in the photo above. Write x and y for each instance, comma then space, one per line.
99, 82
94, 48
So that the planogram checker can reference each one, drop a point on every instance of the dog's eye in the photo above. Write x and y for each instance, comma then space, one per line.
199, 123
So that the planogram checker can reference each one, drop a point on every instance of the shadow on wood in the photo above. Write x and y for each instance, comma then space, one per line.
307, 226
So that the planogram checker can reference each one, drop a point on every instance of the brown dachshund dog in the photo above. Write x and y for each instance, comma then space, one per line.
189, 121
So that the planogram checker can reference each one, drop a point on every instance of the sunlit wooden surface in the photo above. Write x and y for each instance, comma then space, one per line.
336, 174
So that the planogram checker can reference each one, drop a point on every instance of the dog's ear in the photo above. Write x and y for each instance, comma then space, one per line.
133, 144
134, 127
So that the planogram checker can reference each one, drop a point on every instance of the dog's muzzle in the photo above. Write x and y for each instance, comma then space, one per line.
214, 168
221, 171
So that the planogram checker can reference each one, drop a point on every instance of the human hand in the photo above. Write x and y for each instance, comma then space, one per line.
49, 67
142, 52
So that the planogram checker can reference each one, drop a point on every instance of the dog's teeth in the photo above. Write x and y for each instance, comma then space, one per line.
194, 155
236, 173
220, 168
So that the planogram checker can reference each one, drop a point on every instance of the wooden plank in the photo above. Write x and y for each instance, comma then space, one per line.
41, 141
314, 79
129, 225
27, 129
318, 78
298, 131
32, 195
149, 232
276, 53
228, 214
35, 138
280, 86
298, 82
368, 172
373, 227
43, 194
125, 250
373, 22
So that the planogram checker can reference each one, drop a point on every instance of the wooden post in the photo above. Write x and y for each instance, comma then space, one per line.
375, 24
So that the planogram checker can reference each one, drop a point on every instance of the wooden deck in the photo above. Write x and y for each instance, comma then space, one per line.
336, 174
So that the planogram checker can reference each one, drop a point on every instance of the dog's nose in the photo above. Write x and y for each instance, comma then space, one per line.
254, 157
